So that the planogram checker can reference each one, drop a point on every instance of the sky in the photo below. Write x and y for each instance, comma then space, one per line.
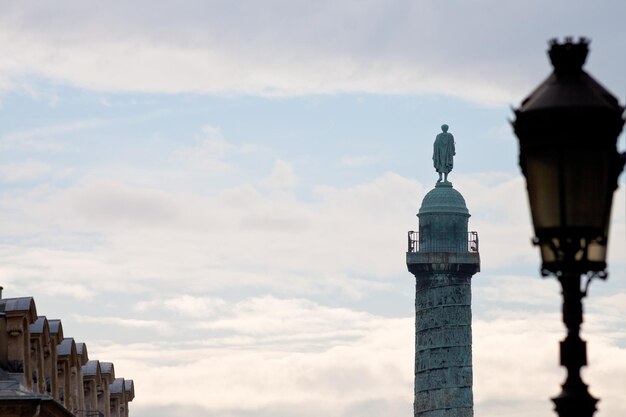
215, 195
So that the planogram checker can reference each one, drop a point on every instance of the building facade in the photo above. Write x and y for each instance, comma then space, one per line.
46, 374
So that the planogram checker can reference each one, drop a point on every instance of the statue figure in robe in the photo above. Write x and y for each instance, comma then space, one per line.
443, 153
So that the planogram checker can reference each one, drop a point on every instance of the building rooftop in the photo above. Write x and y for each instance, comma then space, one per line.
91, 368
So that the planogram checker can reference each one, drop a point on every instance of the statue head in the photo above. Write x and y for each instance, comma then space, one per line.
444, 128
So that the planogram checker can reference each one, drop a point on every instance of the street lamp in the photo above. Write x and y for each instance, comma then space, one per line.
567, 129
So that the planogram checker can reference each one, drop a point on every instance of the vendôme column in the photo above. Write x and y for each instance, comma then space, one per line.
443, 256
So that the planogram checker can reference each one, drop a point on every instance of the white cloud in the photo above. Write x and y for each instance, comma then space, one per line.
284, 324
255, 354
25, 171
186, 305
123, 322
269, 317
335, 360
350, 239
210, 154
339, 372
520, 290
44, 138
517, 350
111, 204
74, 290
293, 48
148, 234
282, 176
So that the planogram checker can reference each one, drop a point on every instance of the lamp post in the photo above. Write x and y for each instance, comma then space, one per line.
567, 130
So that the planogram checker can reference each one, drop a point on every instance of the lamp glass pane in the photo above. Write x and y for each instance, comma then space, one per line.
569, 191
596, 252
586, 186
547, 253
542, 180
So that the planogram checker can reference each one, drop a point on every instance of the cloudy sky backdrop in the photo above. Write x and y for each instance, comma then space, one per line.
215, 195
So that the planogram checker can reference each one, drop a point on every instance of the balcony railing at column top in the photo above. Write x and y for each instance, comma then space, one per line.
442, 244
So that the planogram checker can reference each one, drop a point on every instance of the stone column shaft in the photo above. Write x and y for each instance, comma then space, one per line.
443, 346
